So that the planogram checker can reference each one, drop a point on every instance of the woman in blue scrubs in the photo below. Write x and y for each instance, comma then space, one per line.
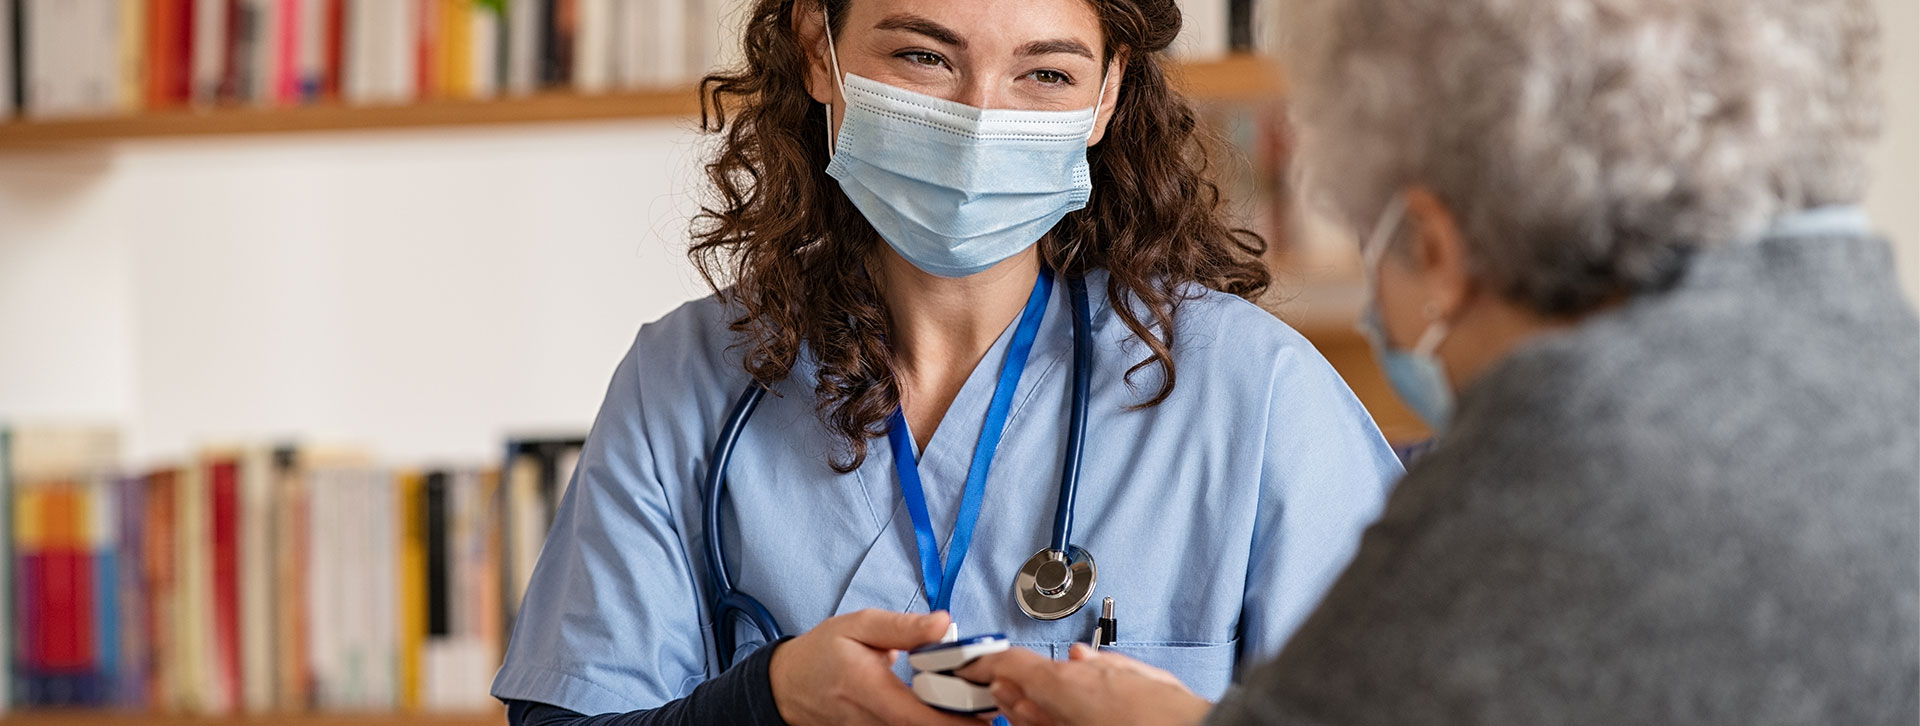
905, 193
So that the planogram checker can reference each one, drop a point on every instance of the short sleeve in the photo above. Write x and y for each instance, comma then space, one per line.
611, 621
1325, 479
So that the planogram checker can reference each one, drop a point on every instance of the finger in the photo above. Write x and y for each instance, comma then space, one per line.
888, 630
1005, 694
1080, 652
1015, 664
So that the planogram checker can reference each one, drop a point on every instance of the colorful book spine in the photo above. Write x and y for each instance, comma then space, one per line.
223, 480
169, 53
291, 564
132, 22
100, 522
60, 666
256, 582
132, 624
286, 52
411, 583
8, 591
159, 571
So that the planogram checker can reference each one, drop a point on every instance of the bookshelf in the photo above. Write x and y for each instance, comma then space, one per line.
1241, 78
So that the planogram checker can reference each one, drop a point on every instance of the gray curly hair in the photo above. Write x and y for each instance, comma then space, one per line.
1588, 147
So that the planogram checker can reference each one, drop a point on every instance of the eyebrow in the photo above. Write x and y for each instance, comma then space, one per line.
917, 24
1058, 45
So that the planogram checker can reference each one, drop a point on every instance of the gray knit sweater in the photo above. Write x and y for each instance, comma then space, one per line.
1698, 508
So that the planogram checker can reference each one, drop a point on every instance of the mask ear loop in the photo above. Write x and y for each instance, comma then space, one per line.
833, 57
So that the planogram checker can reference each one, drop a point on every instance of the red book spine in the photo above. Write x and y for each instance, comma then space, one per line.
225, 489
427, 50
182, 79
156, 39
287, 86
169, 53
66, 607
336, 19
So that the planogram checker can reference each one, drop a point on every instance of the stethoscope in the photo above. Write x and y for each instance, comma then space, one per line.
1054, 583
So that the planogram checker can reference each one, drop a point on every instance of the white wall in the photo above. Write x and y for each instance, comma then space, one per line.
418, 292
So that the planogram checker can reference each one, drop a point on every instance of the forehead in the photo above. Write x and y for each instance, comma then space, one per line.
996, 22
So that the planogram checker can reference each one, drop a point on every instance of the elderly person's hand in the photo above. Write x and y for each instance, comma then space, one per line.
1091, 687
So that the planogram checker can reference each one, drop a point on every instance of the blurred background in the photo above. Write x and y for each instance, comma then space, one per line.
274, 267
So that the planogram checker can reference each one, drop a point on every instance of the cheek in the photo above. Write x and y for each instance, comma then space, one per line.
1402, 304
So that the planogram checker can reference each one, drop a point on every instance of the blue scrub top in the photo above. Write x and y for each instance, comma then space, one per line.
1218, 518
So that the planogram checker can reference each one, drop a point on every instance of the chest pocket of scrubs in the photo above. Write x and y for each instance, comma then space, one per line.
1206, 668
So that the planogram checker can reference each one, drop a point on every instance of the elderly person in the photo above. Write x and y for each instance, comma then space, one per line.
1614, 259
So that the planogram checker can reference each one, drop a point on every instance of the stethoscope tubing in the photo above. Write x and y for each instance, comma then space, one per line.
1077, 416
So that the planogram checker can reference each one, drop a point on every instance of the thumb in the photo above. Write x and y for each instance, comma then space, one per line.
896, 631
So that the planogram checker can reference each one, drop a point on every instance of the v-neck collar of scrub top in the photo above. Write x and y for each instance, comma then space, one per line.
888, 576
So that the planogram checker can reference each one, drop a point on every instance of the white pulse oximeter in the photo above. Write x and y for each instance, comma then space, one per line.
934, 682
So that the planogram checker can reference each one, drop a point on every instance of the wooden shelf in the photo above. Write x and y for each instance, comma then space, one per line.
1233, 79
93, 717
332, 117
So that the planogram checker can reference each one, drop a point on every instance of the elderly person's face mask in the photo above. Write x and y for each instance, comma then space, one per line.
1416, 374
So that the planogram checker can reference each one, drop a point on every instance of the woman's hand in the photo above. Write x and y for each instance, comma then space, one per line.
1091, 688
841, 672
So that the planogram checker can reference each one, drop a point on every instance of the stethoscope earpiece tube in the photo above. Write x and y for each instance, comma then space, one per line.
729, 603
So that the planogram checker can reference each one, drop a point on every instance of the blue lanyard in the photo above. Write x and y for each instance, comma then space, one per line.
937, 579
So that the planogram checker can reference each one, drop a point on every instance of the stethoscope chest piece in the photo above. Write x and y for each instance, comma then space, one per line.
1053, 585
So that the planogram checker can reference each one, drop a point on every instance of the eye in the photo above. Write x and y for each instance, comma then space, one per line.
923, 58
1051, 77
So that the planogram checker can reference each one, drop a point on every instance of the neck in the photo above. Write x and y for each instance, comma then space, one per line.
941, 328
1487, 333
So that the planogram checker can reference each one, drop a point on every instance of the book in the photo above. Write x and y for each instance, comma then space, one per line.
291, 562
15, 62
169, 53
428, 60
98, 526
7, 591
524, 53
212, 40
486, 61
411, 572
159, 570
8, 44
333, 48
131, 625
592, 70
223, 490
199, 683
256, 505
558, 24
131, 76
69, 68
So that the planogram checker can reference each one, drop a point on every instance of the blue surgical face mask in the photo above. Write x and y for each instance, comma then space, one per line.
952, 188
1416, 374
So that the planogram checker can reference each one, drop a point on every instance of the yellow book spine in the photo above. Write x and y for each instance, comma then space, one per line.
412, 573
456, 47
133, 55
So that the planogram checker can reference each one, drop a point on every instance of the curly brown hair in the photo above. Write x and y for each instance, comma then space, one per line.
782, 242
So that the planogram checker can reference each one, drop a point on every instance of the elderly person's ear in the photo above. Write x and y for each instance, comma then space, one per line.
1436, 253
